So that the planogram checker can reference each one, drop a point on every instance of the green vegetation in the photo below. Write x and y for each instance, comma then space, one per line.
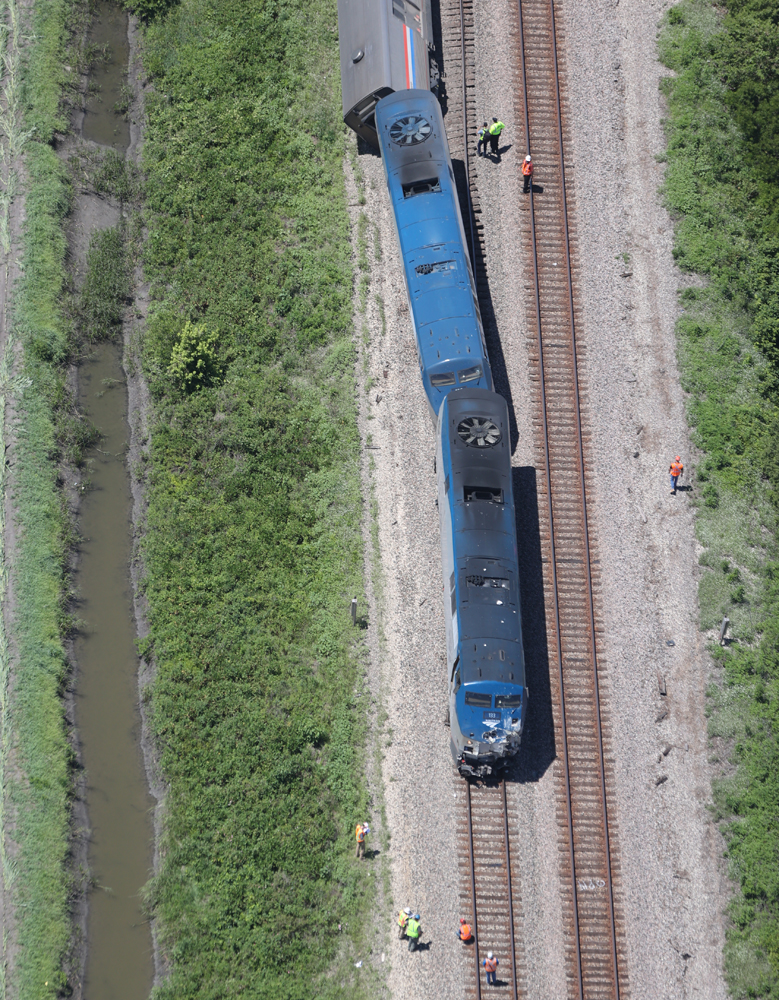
37, 787
106, 286
253, 549
722, 182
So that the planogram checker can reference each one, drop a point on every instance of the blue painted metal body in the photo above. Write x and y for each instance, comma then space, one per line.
485, 658
439, 278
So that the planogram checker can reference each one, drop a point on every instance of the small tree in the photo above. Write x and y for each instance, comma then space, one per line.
193, 362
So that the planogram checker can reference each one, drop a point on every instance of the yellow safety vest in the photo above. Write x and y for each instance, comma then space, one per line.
412, 928
496, 128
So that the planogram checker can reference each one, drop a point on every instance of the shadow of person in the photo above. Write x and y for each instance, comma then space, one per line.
537, 188
423, 946
504, 149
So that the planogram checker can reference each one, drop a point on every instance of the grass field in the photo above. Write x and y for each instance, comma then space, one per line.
36, 753
253, 549
722, 184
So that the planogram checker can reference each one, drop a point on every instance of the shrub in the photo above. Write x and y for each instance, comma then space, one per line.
193, 363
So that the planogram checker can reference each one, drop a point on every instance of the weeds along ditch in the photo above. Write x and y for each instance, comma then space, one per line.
252, 547
722, 184
37, 755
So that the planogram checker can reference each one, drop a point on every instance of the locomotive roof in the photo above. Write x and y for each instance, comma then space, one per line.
478, 485
480, 660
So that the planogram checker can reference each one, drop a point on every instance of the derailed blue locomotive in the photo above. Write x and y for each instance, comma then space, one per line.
439, 279
485, 658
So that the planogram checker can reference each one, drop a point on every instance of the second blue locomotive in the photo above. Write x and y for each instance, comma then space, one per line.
485, 659
439, 279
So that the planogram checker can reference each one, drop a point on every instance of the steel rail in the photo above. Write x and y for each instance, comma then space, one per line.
473, 881
466, 160
588, 563
558, 629
508, 881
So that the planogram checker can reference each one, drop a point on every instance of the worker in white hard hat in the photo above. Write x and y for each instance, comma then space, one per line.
402, 921
527, 173
490, 964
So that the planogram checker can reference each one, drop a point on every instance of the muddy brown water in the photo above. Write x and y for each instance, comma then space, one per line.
119, 962
108, 81
119, 948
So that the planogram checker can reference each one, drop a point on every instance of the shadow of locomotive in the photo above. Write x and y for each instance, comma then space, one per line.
538, 743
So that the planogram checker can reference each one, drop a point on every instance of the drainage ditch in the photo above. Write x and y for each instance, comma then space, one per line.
119, 963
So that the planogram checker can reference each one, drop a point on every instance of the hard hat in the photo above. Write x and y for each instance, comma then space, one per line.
494, 119
461, 920
527, 158
408, 910
489, 954
678, 458
416, 916
485, 124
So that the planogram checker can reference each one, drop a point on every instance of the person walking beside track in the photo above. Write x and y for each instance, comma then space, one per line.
403, 922
527, 173
360, 832
481, 145
676, 470
413, 932
490, 964
494, 131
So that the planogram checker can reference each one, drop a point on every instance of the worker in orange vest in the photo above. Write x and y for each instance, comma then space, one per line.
464, 933
675, 470
403, 918
490, 964
360, 831
527, 173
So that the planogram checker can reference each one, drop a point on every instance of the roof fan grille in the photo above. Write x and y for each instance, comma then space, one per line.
479, 432
411, 130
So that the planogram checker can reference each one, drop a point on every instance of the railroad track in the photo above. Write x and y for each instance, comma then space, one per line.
587, 834
595, 956
487, 836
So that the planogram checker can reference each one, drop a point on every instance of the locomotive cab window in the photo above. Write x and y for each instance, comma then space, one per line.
492, 494
469, 374
428, 186
478, 698
508, 700
443, 378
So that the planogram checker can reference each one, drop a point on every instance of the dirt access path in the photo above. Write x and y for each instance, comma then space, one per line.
673, 877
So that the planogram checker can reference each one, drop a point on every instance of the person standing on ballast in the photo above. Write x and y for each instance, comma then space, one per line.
494, 132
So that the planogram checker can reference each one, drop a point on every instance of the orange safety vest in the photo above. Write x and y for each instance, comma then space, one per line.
527, 168
465, 932
403, 918
676, 468
491, 964
360, 832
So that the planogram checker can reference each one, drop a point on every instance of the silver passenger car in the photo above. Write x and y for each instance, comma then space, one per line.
386, 46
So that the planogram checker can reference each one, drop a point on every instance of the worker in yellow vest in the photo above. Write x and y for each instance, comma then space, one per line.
494, 132
413, 932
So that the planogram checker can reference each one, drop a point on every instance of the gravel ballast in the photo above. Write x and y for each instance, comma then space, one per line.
674, 884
